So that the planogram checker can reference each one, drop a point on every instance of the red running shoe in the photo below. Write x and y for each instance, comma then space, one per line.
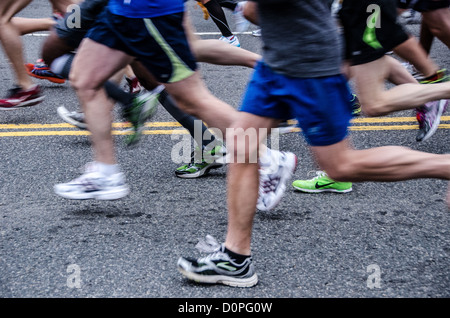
18, 97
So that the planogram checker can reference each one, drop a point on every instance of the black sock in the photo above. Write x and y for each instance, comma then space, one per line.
218, 16
118, 94
186, 120
237, 258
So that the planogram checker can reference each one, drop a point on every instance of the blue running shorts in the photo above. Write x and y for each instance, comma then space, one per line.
321, 105
159, 43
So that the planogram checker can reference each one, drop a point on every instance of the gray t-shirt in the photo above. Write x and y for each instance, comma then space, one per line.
300, 37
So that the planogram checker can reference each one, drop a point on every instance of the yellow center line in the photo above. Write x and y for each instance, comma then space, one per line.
21, 130
85, 133
65, 125
391, 119
394, 127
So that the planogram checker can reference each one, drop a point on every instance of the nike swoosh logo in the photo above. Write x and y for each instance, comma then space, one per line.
318, 186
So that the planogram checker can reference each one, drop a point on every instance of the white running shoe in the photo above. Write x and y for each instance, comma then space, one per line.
233, 40
94, 185
75, 118
256, 32
242, 24
273, 179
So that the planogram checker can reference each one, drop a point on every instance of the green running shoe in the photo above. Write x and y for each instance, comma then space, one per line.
322, 183
440, 77
196, 169
356, 106
144, 106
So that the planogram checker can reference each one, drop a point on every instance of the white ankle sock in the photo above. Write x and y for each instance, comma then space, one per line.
107, 169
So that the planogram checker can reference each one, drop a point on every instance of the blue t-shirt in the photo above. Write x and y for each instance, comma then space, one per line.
145, 8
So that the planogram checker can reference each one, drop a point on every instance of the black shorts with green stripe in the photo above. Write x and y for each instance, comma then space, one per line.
370, 29
159, 43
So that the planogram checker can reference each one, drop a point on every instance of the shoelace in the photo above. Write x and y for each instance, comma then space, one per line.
320, 174
210, 245
193, 162
194, 158
87, 179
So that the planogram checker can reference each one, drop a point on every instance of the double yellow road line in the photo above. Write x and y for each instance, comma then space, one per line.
168, 128
63, 129
393, 123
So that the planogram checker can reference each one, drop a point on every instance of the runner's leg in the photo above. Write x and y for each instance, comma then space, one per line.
11, 41
376, 101
89, 88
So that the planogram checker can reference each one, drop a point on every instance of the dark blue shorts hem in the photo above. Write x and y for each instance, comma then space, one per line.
321, 105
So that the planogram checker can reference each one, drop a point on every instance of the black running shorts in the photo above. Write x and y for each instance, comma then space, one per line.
159, 43
370, 29
72, 28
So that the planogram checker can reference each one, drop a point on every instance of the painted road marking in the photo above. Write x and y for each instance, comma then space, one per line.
157, 128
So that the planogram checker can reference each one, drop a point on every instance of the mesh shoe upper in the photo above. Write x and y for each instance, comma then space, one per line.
42, 71
322, 183
429, 117
218, 267
272, 180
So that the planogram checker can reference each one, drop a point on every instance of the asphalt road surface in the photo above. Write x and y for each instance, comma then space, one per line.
380, 240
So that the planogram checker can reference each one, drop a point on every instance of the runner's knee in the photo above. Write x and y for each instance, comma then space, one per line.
375, 108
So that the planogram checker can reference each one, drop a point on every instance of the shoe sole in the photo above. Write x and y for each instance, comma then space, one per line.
200, 173
63, 113
56, 81
220, 279
436, 123
283, 180
322, 190
103, 196
27, 103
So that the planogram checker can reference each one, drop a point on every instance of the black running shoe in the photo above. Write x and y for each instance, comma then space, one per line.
219, 268
196, 169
